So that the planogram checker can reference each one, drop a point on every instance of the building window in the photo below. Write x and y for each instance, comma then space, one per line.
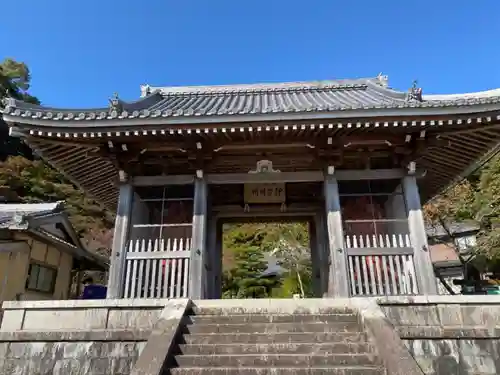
41, 278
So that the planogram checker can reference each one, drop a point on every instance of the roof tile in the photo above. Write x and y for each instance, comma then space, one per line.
254, 99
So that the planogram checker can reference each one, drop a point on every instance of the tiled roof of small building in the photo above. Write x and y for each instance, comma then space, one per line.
18, 216
16, 213
455, 229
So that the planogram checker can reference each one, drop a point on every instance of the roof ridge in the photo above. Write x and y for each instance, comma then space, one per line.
32, 207
464, 96
263, 86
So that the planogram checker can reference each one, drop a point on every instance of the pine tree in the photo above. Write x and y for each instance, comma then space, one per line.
245, 278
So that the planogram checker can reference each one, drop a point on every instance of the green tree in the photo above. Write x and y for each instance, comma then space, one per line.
15, 80
486, 209
14, 83
245, 279
288, 242
291, 247
476, 198
34, 182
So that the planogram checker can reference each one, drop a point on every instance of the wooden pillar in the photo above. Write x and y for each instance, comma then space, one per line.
211, 259
120, 236
422, 259
218, 260
338, 286
314, 245
197, 277
321, 244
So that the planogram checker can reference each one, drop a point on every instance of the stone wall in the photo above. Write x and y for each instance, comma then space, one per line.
449, 334
445, 334
75, 337
61, 357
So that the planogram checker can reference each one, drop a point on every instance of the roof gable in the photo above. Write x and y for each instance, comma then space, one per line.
49, 222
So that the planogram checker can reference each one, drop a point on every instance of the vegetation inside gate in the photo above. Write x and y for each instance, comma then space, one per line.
266, 260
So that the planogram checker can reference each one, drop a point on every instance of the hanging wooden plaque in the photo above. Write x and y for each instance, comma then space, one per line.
265, 193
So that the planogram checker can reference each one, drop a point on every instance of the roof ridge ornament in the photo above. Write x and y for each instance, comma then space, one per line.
383, 80
414, 93
115, 104
146, 90
7, 100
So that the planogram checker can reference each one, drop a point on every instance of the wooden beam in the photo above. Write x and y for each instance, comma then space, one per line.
242, 178
162, 180
159, 255
305, 176
188, 145
268, 211
371, 174
313, 176
378, 251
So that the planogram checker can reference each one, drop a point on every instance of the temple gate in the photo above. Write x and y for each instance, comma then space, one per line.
354, 158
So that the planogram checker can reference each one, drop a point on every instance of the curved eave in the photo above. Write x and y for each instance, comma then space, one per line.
95, 175
118, 123
140, 104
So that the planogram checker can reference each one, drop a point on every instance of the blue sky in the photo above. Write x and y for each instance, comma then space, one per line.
80, 52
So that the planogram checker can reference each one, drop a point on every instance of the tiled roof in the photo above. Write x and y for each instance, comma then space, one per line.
455, 228
17, 213
15, 216
253, 99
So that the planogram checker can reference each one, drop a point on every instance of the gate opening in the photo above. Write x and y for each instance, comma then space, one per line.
267, 259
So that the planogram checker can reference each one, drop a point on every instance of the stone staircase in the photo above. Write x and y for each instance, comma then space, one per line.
215, 341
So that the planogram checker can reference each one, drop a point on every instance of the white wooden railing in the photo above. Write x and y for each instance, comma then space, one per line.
157, 268
380, 265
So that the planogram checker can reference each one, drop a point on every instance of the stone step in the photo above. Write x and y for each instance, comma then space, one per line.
195, 310
277, 348
367, 370
275, 360
272, 327
271, 338
271, 318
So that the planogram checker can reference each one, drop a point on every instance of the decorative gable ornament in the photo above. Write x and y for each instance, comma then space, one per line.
115, 104
18, 218
414, 93
7, 101
264, 166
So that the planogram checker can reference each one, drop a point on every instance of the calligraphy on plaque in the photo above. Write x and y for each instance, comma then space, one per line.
265, 193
